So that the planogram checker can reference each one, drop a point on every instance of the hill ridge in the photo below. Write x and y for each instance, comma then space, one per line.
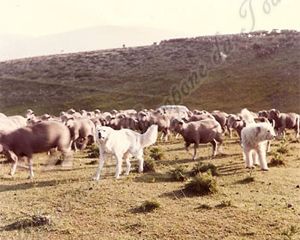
261, 71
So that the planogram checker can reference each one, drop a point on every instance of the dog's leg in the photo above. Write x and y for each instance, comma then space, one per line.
119, 160
269, 146
128, 164
262, 157
101, 163
255, 157
140, 158
248, 159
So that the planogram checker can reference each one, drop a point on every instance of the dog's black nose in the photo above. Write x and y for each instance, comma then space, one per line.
99, 135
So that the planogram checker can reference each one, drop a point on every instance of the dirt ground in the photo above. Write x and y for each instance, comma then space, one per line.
79, 208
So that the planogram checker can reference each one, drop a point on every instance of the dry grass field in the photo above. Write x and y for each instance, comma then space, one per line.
256, 205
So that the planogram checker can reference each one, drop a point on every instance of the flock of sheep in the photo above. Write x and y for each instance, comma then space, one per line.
21, 137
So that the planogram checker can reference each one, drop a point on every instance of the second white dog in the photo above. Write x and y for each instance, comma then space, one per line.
123, 144
255, 137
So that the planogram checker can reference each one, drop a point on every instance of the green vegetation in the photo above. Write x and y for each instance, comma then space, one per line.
149, 165
149, 206
156, 153
178, 173
201, 167
202, 184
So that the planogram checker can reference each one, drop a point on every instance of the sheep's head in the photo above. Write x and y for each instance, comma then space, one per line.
274, 114
70, 123
71, 111
97, 112
142, 116
238, 123
176, 125
263, 113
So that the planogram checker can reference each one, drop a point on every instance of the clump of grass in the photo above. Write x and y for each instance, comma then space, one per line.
93, 151
149, 165
148, 206
290, 232
200, 168
224, 203
283, 148
202, 184
178, 174
204, 206
277, 160
156, 153
33, 221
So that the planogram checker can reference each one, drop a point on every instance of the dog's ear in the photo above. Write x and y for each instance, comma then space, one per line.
258, 130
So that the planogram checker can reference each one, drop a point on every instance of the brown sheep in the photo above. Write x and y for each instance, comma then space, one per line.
204, 131
38, 138
82, 132
285, 120
123, 121
235, 122
221, 118
163, 122
198, 117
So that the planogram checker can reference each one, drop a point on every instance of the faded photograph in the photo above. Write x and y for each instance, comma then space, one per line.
153, 119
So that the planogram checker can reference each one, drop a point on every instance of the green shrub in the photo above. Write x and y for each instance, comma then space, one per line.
202, 184
149, 165
149, 206
93, 151
156, 153
204, 206
276, 160
33, 221
178, 173
283, 149
200, 168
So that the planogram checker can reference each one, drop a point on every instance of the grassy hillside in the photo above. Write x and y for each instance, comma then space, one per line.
261, 71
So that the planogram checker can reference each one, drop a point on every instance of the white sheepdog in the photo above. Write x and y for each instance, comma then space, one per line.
255, 137
123, 144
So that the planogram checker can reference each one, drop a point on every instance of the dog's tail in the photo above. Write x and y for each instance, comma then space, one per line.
149, 137
247, 116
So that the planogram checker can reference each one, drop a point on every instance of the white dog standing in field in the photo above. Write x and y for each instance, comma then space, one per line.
123, 144
255, 137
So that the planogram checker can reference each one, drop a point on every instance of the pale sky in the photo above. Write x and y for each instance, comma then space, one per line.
138, 22
190, 17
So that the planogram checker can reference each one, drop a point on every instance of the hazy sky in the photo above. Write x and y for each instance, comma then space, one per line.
188, 17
